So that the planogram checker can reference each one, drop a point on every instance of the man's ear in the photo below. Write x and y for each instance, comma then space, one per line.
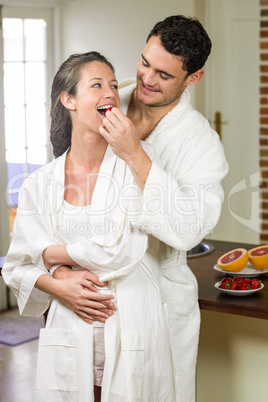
68, 101
195, 77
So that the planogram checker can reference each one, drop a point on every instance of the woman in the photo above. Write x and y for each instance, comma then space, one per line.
77, 209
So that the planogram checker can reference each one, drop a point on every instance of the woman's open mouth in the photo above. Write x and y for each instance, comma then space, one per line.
103, 109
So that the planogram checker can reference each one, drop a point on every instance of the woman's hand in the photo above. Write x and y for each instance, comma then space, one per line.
85, 301
81, 296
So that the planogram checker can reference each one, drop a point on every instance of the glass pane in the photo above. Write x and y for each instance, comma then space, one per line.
16, 155
13, 199
25, 99
13, 84
37, 156
33, 167
15, 127
13, 39
15, 177
35, 82
36, 125
35, 36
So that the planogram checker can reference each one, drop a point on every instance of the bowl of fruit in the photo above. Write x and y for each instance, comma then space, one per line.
239, 285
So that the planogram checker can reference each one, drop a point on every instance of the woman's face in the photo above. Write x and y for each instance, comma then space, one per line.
97, 90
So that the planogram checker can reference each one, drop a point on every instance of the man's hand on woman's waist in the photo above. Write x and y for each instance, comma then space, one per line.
78, 292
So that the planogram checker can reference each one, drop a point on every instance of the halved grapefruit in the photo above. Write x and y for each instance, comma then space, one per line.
234, 261
258, 256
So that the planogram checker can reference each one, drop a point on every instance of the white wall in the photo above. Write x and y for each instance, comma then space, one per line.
233, 91
117, 28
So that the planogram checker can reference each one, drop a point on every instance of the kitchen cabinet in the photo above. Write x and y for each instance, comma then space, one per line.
232, 362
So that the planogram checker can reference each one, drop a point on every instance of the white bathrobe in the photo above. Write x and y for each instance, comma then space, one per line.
182, 202
138, 364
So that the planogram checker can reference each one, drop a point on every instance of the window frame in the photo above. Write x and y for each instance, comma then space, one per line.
51, 15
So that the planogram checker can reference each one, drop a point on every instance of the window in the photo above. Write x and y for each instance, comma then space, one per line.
25, 100
27, 56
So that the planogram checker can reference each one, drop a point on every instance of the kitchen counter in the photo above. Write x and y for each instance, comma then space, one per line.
255, 305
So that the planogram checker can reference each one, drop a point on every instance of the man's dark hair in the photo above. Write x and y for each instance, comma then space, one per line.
184, 37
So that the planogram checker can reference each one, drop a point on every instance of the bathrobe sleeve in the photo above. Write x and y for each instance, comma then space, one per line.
183, 195
111, 262
24, 263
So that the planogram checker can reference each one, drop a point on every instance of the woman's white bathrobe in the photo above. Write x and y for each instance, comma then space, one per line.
138, 365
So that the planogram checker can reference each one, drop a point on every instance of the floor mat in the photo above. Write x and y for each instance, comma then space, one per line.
15, 329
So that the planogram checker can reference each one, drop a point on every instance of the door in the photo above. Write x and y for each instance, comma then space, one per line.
233, 88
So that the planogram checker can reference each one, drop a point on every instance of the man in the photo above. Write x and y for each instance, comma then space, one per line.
182, 194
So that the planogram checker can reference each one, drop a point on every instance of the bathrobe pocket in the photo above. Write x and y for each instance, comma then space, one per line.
131, 362
56, 363
179, 289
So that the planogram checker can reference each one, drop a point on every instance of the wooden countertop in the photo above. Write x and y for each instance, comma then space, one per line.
255, 305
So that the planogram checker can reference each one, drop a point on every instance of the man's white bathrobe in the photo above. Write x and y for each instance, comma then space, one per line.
182, 202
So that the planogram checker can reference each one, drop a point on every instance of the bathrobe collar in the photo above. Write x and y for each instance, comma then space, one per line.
105, 172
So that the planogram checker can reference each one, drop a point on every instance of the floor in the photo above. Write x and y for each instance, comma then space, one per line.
17, 363
17, 371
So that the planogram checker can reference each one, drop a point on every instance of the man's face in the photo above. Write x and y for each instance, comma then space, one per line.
160, 77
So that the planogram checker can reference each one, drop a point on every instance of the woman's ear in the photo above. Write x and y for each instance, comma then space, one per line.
195, 77
68, 101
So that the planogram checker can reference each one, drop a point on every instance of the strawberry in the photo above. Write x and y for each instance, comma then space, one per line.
244, 285
233, 285
225, 285
108, 108
255, 283
225, 279
238, 279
